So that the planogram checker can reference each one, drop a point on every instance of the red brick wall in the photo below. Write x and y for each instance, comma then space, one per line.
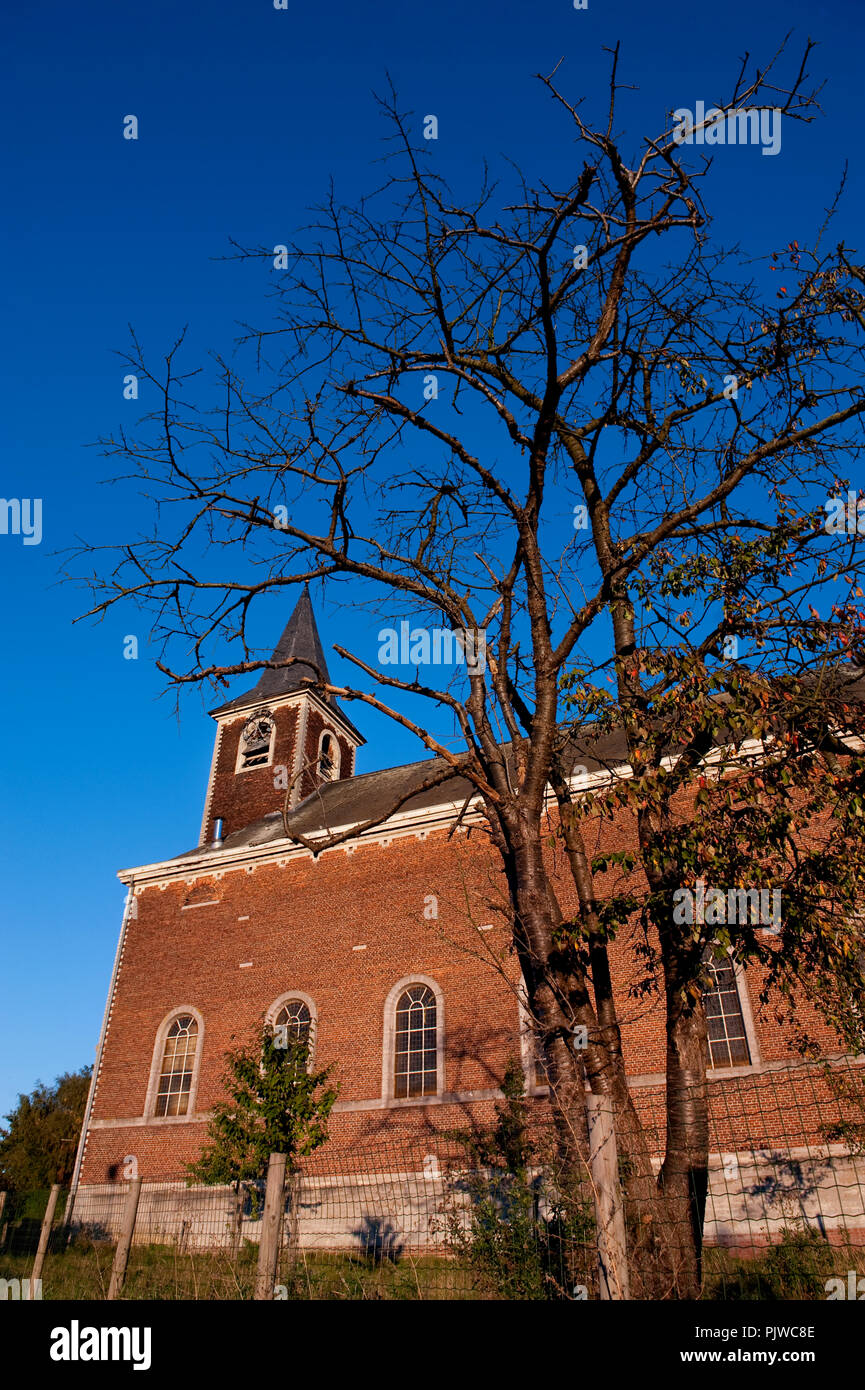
315, 726
298, 925
303, 921
242, 797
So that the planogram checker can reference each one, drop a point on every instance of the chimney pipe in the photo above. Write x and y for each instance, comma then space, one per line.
216, 843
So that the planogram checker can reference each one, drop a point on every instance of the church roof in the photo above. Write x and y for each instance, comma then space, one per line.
370, 796
300, 646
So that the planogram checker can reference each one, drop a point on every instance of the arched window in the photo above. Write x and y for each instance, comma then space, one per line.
416, 1043
328, 758
296, 1013
296, 1018
178, 1067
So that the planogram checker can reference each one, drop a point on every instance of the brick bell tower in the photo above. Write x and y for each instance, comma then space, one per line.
281, 737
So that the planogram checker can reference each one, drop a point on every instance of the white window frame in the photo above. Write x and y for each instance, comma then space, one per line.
156, 1068
389, 1042
238, 764
741, 979
528, 1043
337, 761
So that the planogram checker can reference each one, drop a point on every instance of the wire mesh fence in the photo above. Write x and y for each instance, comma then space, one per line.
415, 1219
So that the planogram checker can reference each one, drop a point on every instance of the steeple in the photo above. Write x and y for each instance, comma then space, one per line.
283, 737
300, 645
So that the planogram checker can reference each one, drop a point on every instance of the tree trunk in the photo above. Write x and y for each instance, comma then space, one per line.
683, 1179
558, 993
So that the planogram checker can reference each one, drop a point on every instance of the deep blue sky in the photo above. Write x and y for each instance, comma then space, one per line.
245, 112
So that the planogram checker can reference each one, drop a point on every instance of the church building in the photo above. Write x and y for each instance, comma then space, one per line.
390, 952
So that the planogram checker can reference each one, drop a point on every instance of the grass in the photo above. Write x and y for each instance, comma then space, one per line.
159, 1272
797, 1267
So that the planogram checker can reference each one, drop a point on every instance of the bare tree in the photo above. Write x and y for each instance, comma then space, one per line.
565, 418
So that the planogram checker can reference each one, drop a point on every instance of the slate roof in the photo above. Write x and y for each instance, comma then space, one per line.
371, 795
301, 645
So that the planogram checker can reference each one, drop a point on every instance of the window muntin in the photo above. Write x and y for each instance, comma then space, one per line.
296, 1017
415, 1043
728, 1040
178, 1066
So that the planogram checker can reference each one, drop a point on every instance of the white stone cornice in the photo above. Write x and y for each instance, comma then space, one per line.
418, 822
401, 824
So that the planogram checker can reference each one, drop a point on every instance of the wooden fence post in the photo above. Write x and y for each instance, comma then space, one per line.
609, 1209
2, 1222
271, 1224
121, 1254
237, 1217
45, 1233
293, 1190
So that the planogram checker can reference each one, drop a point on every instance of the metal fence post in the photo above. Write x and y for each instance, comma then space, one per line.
268, 1250
121, 1254
609, 1209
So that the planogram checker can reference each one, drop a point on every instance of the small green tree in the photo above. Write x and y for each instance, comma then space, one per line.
275, 1104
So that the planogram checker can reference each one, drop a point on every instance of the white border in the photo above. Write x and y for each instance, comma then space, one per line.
211, 782
299, 752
